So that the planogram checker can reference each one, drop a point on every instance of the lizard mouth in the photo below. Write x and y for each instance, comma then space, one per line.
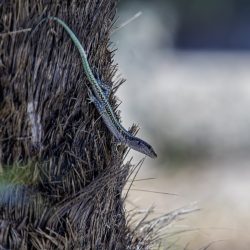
153, 154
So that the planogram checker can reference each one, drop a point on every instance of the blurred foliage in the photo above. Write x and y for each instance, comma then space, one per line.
19, 174
207, 9
216, 24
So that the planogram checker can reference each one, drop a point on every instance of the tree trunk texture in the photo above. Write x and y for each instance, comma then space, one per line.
62, 173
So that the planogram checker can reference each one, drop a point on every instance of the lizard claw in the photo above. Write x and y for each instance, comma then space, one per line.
90, 98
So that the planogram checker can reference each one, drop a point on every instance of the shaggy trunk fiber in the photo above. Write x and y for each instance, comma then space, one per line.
62, 174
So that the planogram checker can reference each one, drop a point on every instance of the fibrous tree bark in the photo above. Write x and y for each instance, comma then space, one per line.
62, 173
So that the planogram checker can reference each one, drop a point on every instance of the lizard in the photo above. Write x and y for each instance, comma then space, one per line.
100, 98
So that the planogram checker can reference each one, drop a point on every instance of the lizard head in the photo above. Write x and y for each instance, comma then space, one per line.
141, 146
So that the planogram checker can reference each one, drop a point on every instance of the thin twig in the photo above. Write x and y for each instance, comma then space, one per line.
15, 32
138, 14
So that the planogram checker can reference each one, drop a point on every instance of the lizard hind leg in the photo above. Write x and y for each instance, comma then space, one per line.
92, 99
105, 87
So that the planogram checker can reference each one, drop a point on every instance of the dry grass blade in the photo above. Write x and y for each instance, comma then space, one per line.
151, 191
147, 231
15, 32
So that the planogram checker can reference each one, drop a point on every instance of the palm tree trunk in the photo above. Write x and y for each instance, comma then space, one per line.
62, 175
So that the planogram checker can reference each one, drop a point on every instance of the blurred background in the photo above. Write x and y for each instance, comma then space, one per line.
187, 65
